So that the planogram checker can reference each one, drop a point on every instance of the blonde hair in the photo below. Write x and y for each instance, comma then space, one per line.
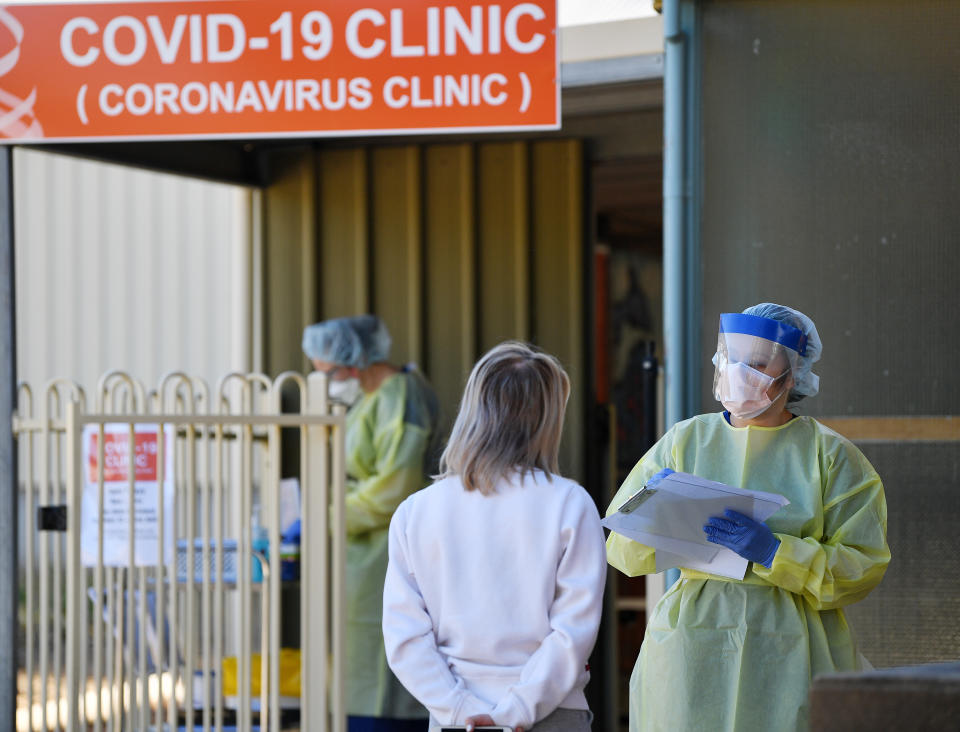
510, 418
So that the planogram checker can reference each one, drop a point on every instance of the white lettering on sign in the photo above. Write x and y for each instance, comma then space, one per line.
67, 47
445, 91
197, 97
125, 22
510, 28
216, 54
371, 50
167, 46
367, 34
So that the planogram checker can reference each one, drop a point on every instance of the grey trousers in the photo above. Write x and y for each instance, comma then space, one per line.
561, 720
564, 720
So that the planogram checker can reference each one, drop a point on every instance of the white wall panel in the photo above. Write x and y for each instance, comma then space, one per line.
120, 268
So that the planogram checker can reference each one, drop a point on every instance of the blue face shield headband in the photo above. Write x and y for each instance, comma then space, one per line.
766, 328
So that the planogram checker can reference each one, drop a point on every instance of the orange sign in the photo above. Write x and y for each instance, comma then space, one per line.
246, 68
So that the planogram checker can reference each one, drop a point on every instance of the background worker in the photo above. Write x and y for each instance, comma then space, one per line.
390, 447
723, 654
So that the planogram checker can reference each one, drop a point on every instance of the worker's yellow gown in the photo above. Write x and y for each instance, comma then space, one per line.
389, 440
723, 654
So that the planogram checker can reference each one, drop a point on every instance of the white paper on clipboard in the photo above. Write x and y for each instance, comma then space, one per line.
671, 518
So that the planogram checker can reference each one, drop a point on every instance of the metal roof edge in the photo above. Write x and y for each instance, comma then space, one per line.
611, 70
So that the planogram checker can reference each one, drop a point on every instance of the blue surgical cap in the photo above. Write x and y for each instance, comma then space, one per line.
806, 383
355, 341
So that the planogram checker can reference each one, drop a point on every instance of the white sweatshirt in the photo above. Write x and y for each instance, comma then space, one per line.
491, 603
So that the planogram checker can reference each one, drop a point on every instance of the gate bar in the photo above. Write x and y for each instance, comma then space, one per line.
209, 420
76, 674
8, 454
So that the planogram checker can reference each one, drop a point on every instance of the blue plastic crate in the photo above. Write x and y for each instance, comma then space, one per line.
229, 562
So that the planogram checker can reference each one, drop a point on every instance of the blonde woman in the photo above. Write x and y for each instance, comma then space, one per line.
496, 571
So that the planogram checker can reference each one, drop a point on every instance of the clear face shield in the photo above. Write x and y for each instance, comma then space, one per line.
754, 360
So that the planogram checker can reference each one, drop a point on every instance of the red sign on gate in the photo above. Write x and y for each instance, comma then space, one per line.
244, 68
117, 456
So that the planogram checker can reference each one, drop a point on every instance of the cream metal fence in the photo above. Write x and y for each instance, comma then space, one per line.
116, 643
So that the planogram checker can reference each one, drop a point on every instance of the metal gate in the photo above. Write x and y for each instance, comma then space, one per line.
149, 599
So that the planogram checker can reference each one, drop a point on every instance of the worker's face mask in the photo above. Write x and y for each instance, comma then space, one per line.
345, 391
743, 390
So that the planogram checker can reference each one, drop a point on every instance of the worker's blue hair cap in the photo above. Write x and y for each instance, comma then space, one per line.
806, 383
358, 341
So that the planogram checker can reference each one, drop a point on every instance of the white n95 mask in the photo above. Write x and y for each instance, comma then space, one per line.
742, 390
345, 391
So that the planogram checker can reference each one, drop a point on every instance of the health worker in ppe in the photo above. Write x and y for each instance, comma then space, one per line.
391, 446
722, 654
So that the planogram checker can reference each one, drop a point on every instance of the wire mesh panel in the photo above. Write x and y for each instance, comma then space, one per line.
911, 618
152, 581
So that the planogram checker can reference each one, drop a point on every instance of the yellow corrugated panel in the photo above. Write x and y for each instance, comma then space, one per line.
504, 242
449, 226
457, 246
558, 274
289, 260
396, 247
342, 221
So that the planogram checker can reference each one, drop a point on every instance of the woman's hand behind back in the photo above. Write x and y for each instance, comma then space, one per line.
483, 720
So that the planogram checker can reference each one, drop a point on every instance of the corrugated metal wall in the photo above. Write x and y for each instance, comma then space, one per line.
119, 268
457, 246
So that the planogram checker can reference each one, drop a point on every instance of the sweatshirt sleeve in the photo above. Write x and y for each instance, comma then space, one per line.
849, 557
410, 642
555, 667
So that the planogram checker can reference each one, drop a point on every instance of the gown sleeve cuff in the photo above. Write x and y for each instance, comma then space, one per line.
791, 564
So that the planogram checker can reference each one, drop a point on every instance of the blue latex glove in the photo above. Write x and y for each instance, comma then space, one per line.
750, 539
652, 482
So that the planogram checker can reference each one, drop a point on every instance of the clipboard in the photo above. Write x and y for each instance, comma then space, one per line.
670, 518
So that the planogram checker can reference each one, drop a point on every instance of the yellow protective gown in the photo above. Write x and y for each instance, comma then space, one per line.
390, 439
723, 654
